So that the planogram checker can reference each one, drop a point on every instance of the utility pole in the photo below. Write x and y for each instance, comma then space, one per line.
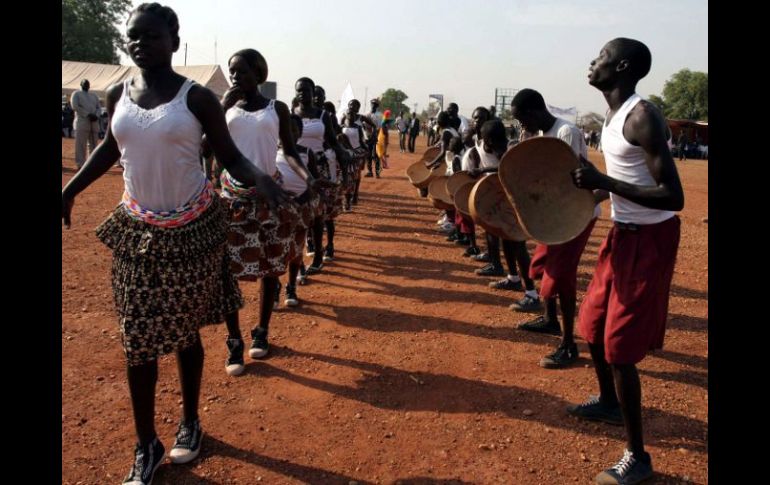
185, 53
366, 96
215, 50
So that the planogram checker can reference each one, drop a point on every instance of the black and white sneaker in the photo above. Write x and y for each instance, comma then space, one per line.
491, 270
329, 254
563, 356
594, 410
291, 296
482, 258
529, 304
187, 446
628, 471
507, 284
147, 459
313, 269
541, 325
259, 345
234, 364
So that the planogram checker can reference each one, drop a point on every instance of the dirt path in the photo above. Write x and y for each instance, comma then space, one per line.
400, 366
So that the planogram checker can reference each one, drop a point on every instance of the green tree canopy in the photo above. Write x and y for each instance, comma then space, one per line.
393, 99
89, 31
685, 95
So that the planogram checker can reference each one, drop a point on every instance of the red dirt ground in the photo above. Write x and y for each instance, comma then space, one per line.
401, 365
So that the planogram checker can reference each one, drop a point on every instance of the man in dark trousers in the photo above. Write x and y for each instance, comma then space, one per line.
414, 131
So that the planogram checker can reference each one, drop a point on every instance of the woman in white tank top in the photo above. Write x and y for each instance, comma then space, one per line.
317, 131
261, 243
171, 271
353, 128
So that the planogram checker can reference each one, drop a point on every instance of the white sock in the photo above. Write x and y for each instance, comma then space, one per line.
514, 278
532, 294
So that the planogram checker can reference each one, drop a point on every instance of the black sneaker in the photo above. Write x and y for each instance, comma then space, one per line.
527, 304
329, 254
147, 459
313, 269
507, 284
234, 364
463, 240
471, 251
491, 270
628, 471
482, 257
369, 174
453, 236
188, 442
291, 296
562, 357
594, 410
259, 345
377, 175
541, 325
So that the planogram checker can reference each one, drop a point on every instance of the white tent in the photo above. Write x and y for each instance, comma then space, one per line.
102, 76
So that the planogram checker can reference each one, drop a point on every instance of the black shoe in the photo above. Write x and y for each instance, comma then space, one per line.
541, 325
329, 254
313, 269
527, 304
188, 442
471, 251
234, 362
462, 240
628, 471
453, 236
368, 174
482, 257
377, 175
147, 459
291, 296
507, 284
259, 346
594, 410
562, 357
491, 270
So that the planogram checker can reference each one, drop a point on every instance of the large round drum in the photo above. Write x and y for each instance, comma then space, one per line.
419, 175
457, 180
461, 201
437, 193
491, 209
536, 177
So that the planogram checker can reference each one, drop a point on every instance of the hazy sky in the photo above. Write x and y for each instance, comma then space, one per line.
461, 49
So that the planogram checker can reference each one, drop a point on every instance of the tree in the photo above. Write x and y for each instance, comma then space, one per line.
89, 30
592, 121
393, 99
685, 95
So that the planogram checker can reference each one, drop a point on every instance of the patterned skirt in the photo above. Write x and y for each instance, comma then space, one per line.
331, 198
308, 204
260, 240
167, 283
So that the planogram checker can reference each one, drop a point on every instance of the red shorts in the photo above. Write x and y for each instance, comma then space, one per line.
557, 265
626, 304
464, 223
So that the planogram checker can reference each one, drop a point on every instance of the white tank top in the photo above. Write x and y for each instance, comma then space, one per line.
352, 133
488, 160
159, 150
312, 134
255, 133
625, 162
292, 181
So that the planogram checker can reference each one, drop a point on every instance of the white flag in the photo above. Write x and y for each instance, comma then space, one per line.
346, 96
